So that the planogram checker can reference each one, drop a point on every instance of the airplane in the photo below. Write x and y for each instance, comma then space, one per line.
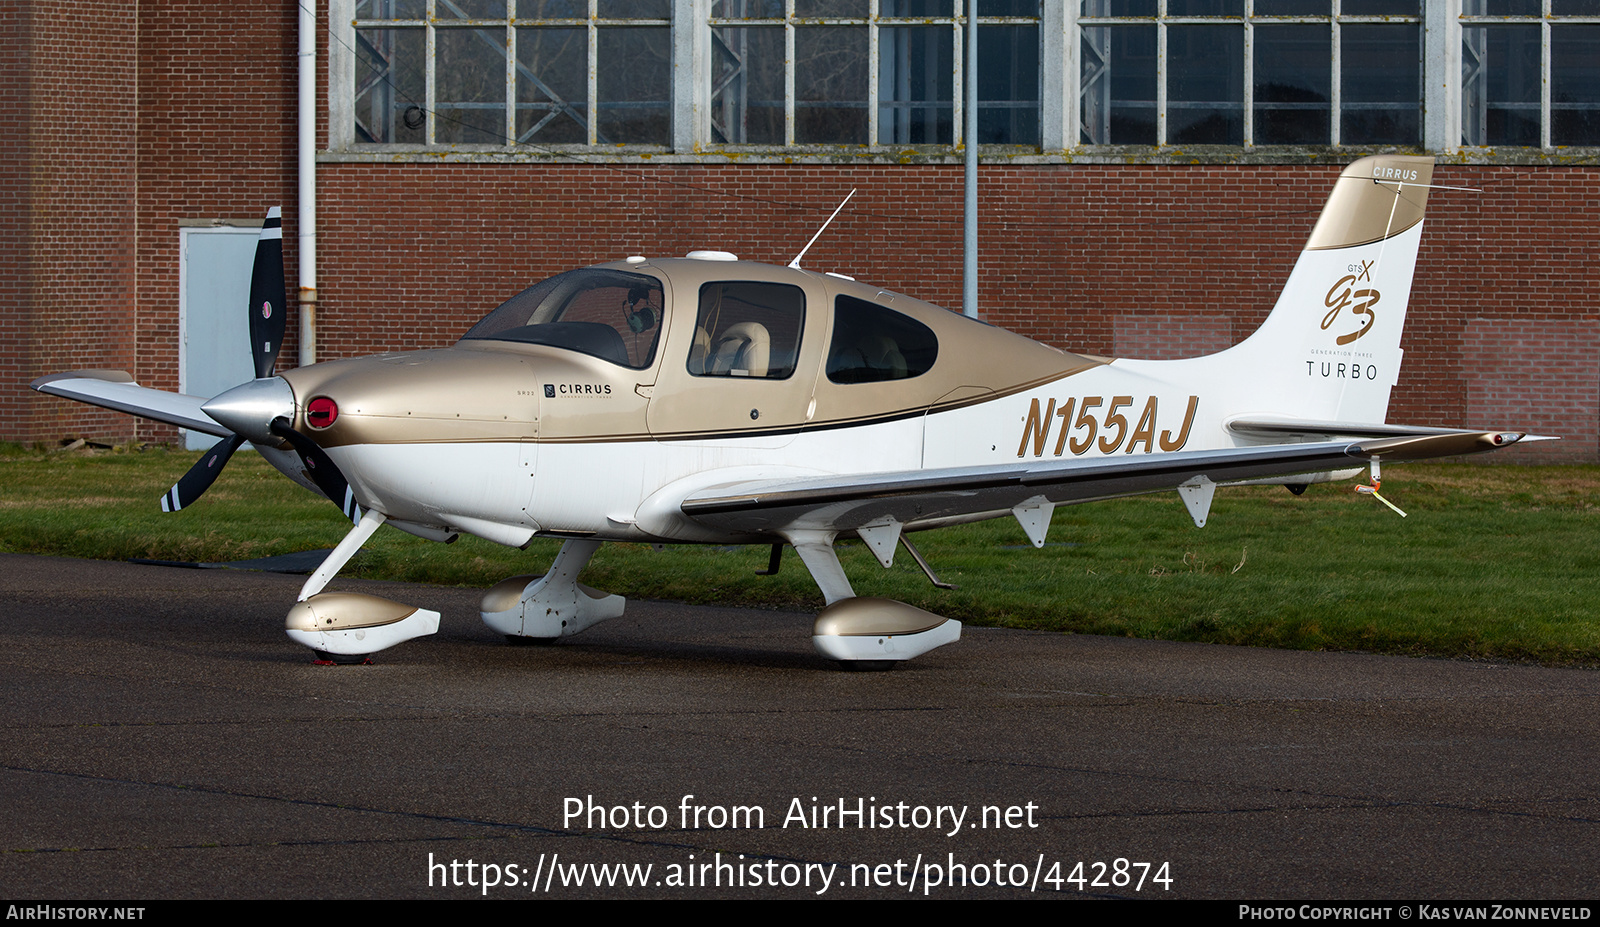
709, 400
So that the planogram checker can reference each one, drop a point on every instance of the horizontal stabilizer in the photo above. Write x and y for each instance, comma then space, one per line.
1313, 428
1426, 447
115, 389
1394, 442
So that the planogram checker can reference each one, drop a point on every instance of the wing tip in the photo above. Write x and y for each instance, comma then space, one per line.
107, 375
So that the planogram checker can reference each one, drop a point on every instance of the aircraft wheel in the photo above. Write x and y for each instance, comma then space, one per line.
324, 658
519, 640
867, 666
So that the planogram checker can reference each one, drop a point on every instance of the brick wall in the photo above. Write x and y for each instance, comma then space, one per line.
133, 128
68, 197
1146, 261
1544, 376
217, 141
191, 117
1066, 250
1169, 335
16, 283
1511, 300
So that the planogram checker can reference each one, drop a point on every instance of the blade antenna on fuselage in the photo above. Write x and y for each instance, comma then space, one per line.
796, 262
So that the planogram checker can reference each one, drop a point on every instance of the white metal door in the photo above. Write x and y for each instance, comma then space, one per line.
213, 327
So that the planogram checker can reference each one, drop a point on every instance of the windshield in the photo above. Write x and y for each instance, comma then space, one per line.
608, 314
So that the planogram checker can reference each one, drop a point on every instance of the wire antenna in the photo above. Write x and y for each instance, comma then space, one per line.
1401, 184
796, 262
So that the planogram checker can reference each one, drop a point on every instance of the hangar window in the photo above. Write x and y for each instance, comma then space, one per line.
826, 80
872, 344
1250, 72
1530, 72
747, 330
870, 72
507, 72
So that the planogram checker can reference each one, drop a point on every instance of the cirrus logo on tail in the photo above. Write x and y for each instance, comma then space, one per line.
1393, 173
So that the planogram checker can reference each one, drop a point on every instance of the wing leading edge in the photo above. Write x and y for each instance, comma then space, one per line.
849, 503
114, 389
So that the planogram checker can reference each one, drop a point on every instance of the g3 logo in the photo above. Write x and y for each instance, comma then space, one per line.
1360, 302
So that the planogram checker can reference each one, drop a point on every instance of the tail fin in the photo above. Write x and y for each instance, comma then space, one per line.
1330, 349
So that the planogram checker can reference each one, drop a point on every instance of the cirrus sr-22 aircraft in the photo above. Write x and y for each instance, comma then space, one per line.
710, 400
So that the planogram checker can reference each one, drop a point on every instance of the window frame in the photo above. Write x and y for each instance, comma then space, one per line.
565, 292
1248, 21
796, 331
853, 315
690, 92
343, 73
875, 22
1547, 21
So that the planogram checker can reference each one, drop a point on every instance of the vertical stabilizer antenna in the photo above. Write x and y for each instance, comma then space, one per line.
1399, 191
796, 262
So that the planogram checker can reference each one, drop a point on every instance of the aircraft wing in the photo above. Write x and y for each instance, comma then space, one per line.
846, 503
115, 389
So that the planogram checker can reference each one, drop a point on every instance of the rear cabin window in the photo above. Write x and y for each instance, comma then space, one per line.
747, 330
872, 344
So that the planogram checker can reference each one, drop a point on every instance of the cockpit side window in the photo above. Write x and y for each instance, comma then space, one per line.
747, 330
872, 343
607, 314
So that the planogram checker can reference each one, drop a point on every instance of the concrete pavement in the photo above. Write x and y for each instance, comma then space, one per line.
163, 738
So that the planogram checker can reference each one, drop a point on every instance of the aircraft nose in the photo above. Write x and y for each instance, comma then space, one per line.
249, 408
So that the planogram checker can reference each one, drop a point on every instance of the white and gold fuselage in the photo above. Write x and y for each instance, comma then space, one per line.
510, 440
708, 400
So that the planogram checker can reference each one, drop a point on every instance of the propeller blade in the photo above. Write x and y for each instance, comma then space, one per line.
201, 475
321, 468
268, 295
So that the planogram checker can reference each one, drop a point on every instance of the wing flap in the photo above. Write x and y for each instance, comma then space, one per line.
115, 389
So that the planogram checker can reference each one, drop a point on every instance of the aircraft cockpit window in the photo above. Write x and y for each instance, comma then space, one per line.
607, 314
747, 330
872, 344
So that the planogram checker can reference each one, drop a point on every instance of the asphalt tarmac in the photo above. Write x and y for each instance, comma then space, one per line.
163, 738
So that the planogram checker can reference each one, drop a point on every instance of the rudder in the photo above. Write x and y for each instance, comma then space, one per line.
1330, 348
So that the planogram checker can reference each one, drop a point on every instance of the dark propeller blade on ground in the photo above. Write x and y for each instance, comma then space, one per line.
320, 467
201, 475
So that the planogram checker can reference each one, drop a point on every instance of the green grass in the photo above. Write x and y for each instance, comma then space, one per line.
1493, 562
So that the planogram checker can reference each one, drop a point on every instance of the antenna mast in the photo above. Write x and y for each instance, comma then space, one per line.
796, 262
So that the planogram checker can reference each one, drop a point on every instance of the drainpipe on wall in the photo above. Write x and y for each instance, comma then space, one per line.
308, 182
969, 132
